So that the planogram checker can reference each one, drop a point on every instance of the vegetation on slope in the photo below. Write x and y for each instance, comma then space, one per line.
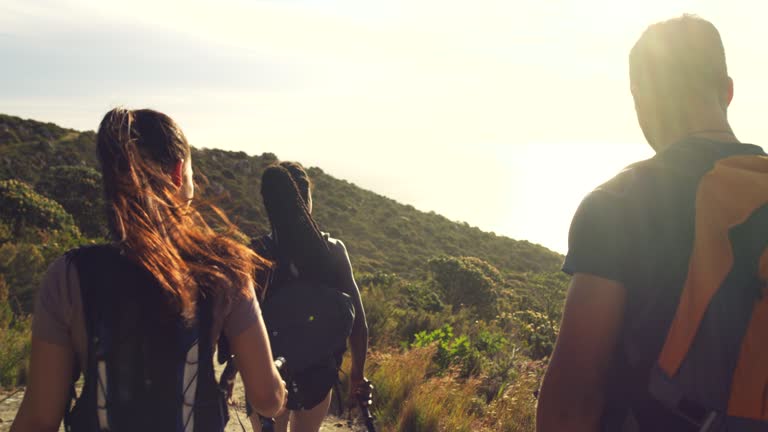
461, 321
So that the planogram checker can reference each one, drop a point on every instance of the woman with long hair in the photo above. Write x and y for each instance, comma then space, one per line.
139, 317
302, 252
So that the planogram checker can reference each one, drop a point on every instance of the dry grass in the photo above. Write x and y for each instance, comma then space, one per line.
409, 399
515, 409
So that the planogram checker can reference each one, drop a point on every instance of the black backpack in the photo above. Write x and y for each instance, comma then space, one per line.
308, 323
146, 369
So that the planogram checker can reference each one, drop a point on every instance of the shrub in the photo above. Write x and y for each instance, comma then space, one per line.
21, 206
22, 266
78, 189
467, 281
15, 339
537, 331
451, 350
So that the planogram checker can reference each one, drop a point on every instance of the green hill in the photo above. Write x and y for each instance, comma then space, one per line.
381, 234
460, 321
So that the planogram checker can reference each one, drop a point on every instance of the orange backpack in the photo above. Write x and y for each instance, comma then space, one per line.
713, 367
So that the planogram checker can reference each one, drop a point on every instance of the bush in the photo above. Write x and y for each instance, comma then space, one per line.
467, 281
78, 189
22, 267
451, 350
23, 210
15, 339
537, 331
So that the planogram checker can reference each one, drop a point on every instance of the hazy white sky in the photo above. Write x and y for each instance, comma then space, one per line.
502, 113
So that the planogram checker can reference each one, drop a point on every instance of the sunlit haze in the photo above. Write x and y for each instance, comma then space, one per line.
503, 114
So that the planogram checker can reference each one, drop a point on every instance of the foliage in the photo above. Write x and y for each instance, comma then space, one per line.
467, 281
515, 409
457, 317
441, 404
396, 376
22, 266
26, 211
538, 331
545, 292
411, 399
78, 189
6, 313
422, 296
381, 234
451, 350
14, 340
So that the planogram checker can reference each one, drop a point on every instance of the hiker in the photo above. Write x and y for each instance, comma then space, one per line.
307, 263
140, 316
666, 318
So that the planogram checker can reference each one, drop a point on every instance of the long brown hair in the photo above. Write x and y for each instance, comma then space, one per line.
152, 223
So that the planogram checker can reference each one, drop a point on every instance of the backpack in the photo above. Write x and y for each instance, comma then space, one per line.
308, 323
146, 369
712, 371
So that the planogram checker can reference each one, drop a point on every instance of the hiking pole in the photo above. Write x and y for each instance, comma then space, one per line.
267, 423
365, 400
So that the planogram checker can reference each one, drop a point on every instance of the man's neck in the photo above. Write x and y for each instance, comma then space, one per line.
709, 124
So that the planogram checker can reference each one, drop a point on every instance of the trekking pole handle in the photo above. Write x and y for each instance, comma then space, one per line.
279, 364
365, 401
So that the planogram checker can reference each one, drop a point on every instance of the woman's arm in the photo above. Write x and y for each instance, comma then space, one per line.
47, 392
253, 357
52, 355
358, 340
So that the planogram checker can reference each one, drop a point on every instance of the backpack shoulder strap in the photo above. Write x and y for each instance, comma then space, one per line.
90, 262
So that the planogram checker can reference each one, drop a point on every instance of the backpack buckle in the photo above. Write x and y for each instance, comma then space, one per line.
709, 422
664, 390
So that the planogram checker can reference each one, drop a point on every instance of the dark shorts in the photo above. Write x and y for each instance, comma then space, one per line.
310, 387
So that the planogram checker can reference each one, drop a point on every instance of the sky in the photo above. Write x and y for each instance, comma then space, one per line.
503, 114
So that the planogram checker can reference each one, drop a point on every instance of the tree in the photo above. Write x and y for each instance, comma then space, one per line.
23, 210
78, 189
6, 314
467, 281
22, 267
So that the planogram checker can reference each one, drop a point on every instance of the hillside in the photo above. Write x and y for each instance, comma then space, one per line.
381, 234
460, 322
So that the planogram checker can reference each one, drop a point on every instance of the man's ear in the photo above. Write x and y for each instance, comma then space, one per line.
729, 94
177, 173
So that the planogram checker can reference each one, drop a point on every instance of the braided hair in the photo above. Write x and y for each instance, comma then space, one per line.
298, 238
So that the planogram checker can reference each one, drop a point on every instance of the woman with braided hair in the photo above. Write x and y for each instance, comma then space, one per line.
301, 251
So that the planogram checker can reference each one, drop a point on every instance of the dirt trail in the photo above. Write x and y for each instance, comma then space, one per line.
9, 406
